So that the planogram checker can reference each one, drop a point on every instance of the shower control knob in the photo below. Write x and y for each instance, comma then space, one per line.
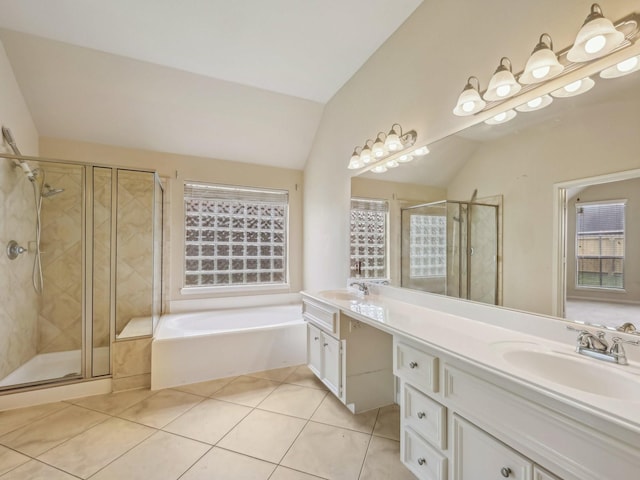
13, 250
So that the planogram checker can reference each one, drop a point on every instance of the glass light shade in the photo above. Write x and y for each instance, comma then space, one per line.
574, 88
469, 101
392, 143
421, 151
378, 149
406, 158
542, 65
625, 67
536, 104
502, 85
502, 117
392, 164
365, 154
596, 38
379, 169
355, 162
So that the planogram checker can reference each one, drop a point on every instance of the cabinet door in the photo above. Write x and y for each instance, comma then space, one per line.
478, 455
314, 349
540, 474
332, 372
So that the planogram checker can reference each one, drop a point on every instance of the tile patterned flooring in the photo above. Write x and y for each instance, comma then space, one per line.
274, 425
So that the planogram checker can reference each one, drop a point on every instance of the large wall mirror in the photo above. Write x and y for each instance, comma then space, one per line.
549, 172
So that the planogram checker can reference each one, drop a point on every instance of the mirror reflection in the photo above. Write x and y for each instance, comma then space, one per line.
517, 167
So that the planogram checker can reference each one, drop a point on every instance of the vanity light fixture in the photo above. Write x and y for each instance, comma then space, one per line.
406, 158
502, 117
624, 67
503, 84
536, 104
469, 101
421, 151
596, 37
384, 145
542, 64
574, 88
379, 169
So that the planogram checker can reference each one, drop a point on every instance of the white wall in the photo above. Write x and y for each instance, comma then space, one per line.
414, 79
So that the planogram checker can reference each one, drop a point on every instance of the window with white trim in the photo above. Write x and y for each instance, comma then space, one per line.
600, 244
368, 233
234, 235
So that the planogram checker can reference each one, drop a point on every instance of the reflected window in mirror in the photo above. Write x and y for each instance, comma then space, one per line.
369, 238
428, 245
600, 244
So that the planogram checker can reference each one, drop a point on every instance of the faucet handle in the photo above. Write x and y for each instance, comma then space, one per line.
627, 327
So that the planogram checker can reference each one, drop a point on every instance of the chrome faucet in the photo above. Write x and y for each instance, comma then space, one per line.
363, 287
594, 345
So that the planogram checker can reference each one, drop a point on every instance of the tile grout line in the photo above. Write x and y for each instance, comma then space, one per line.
364, 460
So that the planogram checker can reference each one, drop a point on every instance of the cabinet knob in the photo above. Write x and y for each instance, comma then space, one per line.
326, 344
421, 461
316, 338
505, 471
413, 364
421, 415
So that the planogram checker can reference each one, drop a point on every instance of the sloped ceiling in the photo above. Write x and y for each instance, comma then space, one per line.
242, 80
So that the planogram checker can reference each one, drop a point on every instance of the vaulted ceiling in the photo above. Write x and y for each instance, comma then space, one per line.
242, 80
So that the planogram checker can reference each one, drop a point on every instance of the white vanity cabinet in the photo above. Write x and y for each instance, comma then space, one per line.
351, 358
460, 422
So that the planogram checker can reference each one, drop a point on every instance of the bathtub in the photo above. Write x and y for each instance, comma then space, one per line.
198, 346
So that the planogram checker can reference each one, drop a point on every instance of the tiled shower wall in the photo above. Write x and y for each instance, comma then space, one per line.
18, 300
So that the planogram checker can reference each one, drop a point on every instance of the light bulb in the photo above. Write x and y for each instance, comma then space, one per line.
405, 158
541, 72
468, 106
392, 164
574, 86
595, 44
627, 65
365, 155
379, 169
503, 90
535, 103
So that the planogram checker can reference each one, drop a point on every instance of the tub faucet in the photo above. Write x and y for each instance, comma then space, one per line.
363, 287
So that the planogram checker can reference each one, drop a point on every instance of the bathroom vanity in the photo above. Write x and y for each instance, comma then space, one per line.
484, 392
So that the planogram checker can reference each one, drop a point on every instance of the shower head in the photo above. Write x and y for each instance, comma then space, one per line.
49, 191
6, 133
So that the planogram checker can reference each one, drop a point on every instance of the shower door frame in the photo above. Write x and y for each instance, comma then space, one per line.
87, 265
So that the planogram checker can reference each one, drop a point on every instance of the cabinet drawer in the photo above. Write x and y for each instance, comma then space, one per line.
422, 459
478, 455
416, 367
540, 474
321, 315
427, 417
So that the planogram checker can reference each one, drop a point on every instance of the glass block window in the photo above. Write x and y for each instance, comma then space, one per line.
428, 246
369, 238
234, 235
600, 245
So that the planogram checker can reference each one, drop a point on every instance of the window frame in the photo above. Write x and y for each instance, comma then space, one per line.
232, 288
613, 289
387, 220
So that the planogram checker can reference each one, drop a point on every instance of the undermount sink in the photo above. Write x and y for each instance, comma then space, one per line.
570, 370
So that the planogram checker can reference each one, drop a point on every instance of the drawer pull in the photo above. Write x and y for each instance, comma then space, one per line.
421, 415
422, 461
505, 471
413, 364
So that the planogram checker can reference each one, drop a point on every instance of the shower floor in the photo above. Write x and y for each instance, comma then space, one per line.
50, 366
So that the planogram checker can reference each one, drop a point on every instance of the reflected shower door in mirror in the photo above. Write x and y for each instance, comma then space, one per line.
588, 135
451, 248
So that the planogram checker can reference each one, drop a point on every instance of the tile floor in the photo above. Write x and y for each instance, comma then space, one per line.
278, 425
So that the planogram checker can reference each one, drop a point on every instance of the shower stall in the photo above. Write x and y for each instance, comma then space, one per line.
451, 248
82, 266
